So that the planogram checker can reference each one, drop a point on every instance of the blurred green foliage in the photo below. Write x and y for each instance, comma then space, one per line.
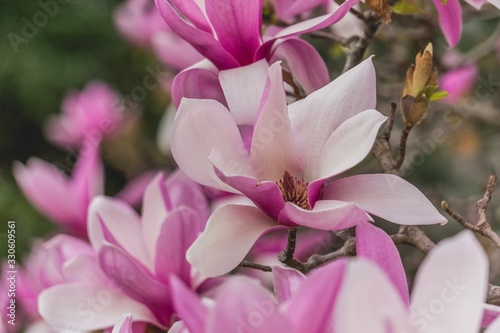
78, 44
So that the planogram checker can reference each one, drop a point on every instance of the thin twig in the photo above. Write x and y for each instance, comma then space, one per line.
386, 134
288, 78
493, 294
328, 36
286, 256
358, 14
415, 237
402, 146
382, 149
316, 260
482, 226
249, 264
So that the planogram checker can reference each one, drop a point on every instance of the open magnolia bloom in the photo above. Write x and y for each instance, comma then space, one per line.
63, 199
283, 161
448, 296
229, 34
138, 254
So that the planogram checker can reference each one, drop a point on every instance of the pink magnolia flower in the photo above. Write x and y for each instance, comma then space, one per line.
124, 325
448, 294
243, 305
299, 304
140, 23
450, 17
288, 10
352, 296
74, 293
88, 115
229, 35
63, 199
283, 163
458, 82
140, 253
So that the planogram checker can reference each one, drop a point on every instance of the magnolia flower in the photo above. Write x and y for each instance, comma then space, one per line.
87, 116
288, 10
229, 35
299, 303
139, 253
63, 199
458, 82
65, 268
124, 325
243, 305
141, 24
450, 17
138, 21
448, 294
283, 163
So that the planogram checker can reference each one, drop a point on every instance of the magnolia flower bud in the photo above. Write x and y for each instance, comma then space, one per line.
381, 8
420, 85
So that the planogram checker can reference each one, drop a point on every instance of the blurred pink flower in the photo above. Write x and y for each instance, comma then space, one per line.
88, 116
74, 293
140, 22
450, 20
458, 82
140, 253
243, 305
63, 199
355, 295
282, 163
450, 17
448, 293
288, 10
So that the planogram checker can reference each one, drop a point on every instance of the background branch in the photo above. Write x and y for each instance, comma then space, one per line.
482, 226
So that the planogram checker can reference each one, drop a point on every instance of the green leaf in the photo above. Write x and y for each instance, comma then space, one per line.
428, 91
438, 95
406, 8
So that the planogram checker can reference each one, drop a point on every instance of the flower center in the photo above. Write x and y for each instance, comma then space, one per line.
294, 190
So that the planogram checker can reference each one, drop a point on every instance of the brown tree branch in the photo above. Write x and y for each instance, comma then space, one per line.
482, 226
357, 46
411, 235
249, 264
286, 256
493, 294
402, 146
